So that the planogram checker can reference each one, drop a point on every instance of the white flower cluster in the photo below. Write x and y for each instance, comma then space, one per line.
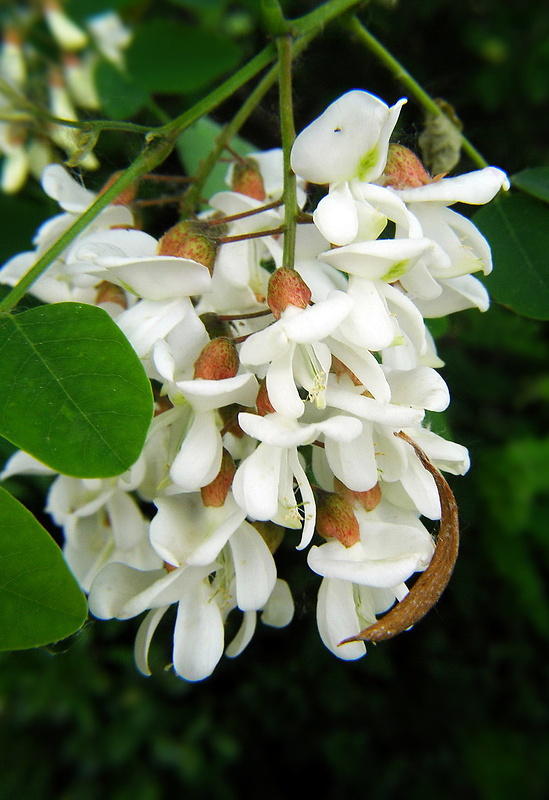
70, 85
280, 389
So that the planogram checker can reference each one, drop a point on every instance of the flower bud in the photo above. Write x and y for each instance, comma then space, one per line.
271, 533
189, 239
335, 518
287, 288
368, 499
403, 169
218, 360
215, 493
246, 179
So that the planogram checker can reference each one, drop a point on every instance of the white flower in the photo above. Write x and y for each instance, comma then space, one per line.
243, 576
129, 259
263, 483
349, 140
293, 350
365, 579
60, 283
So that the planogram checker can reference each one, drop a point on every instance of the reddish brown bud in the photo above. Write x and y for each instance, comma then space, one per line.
271, 533
368, 499
126, 196
110, 293
335, 518
403, 170
215, 493
217, 360
246, 179
263, 404
287, 288
190, 239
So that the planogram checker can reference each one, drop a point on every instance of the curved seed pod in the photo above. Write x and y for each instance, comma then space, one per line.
429, 586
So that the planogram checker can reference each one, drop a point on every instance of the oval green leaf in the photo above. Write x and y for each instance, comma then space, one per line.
40, 601
120, 97
533, 181
76, 396
517, 227
167, 56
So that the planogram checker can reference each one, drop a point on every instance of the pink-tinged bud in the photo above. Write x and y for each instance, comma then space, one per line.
263, 404
108, 292
335, 518
368, 500
271, 533
215, 493
190, 239
218, 360
287, 288
126, 196
403, 169
246, 179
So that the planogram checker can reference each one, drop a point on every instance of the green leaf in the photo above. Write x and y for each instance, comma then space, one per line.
40, 601
166, 56
120, 97
534, 181
75, 393
517, 227
195, 144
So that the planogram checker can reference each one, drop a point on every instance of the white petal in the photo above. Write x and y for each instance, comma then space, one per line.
336, 216
144, 637
199, 634
255, 484
206, 395
337, 619
350, 138
115, 585
254, 566
279, 609
243, 636
199, 458
476, 187
60, 186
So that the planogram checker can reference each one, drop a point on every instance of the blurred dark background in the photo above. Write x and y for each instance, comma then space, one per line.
458, 707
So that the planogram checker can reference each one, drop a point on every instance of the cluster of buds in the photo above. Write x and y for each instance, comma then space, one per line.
27, 144
291, 399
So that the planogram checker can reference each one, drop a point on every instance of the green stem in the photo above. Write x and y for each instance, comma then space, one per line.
325, 13
287, 131
155, 152
192, 196
410, 84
